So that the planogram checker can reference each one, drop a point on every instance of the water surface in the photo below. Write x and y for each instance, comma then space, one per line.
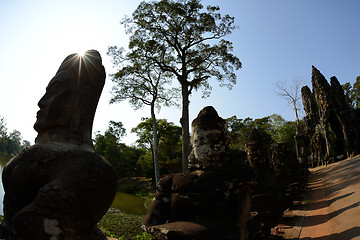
129, 203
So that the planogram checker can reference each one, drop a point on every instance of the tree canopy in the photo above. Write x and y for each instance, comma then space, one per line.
122, 157
352, 93
355, 92
185, 41
274, 128
143, 83
169, 144
10, 143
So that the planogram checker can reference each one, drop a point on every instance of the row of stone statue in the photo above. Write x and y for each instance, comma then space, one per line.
224, 197
59, 188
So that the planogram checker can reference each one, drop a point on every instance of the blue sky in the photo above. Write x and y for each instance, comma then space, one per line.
277, 40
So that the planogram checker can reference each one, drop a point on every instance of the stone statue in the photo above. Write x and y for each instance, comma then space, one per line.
68, 107
212, 201
59, 188
210, 140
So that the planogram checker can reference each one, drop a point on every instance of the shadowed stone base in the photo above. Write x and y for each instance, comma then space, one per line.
54, 194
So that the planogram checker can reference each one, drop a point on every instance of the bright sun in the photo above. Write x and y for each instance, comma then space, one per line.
81, 53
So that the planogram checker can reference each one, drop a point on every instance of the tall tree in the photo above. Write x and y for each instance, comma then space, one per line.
143, 83
186, 41
291, 93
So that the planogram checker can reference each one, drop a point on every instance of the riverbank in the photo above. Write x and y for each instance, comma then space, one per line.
126, 226
123, 226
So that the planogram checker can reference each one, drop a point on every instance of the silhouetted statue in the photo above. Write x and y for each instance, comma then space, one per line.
59, 188
212, 201
68, 107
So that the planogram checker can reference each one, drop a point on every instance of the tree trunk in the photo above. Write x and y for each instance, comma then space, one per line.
185, 127
296, 113
156, 145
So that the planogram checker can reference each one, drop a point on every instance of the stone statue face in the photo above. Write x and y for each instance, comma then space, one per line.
58, 104
68, 107
209, 146
209, 141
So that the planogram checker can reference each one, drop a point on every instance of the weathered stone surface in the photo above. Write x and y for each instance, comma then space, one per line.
59, 188
331, 129
56, 194
209, 140
212, 201
223, 198
309, 102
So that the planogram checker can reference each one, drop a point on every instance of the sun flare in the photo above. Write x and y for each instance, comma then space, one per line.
81, 53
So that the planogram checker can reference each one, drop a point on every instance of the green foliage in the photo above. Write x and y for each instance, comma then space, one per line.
286, 132
123, 158
352, 93
239, 130
281, 131
116, 129
144, 236
178, 36
347, 92
140, 81
122, 226
274, 128
169, 144
355, 92
10, 143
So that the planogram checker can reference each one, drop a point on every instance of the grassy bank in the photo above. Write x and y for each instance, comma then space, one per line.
119, 225
123, 226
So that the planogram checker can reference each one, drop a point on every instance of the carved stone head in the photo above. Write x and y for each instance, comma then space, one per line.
68, 107
209, 140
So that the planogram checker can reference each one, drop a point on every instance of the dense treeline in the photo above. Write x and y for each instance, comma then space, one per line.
274, 128
137, 160
10, 143
130, 161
